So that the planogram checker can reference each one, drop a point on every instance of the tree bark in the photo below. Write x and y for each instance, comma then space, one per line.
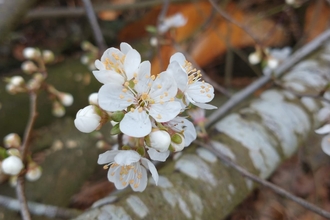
197, 185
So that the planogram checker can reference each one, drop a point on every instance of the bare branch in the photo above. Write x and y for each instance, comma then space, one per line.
247, 91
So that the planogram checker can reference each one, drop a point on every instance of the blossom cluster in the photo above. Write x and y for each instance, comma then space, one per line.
145, 108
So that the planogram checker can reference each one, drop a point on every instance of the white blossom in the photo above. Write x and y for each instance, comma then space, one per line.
93, 99
33, 173
117, 66
255, 57
189, 82
150, 96
65, 98
12, 165
31, 53
174, 21
158, 156
127, 167
87, 119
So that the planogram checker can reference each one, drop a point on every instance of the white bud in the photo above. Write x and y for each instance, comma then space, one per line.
33, 173
153, 41
65, 98
12, 140
272, 63
254, 58
290, 2
178, 146
12, 165
93, 99
48, 56
160, 140
16, 80
31, 53
87, 119
84, 59
29, 67
58, 109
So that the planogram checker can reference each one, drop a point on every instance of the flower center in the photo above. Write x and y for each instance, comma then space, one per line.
193, 74
116, 66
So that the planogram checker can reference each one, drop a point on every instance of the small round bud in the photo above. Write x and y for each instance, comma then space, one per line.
65, 98
254, 58
48, 56
58, 109
34, 172
272, 63
84, 59
159, 140
16, 80
31, 53
153, 41
12, 165
177, 143
29, 67
12, 140
93, 99
87, 119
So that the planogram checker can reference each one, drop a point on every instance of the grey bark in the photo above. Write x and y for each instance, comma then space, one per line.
196, 185
11, 13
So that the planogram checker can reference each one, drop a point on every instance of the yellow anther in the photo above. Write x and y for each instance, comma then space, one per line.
161, 102
121, 96
135, 81
126, 84
159, 86
131, 181
136, 185
153, 77
140, 109
139, 176
124, 183
207, 89
172, 99
135, 75
166, 93
129, 100
132, 109
112, 174
124, 90
208, 95
105, 167
159, 116
161, 97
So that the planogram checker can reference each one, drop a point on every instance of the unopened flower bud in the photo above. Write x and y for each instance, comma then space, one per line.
48, 56
65, 98
153, 41
159, 140
12, 165
17, 81
31, 53
12, 140
87, 119
58, 109
254, 58
29, 67
272, 63
177, 143
33, 172
15, 85
84, 59
93, 99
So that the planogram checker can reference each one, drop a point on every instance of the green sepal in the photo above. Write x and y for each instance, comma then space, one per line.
3, 153
115, 130
117, 116
176, 138
151, 29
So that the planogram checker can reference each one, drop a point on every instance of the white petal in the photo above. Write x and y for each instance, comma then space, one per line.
158, 156
108, 54
179, 57
146, 163
107, 157
108, 76
141, 186
180, 76
194, 91
127, 157
112, 98
125, 47
163, 83
325, 144
135, 124
165, 112
323, 114
99, 65
205, 106
131, 63
180, 124
323, 130
143, 77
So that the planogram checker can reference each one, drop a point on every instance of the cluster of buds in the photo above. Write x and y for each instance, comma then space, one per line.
145, 108
269, 58
35, 66
12, 163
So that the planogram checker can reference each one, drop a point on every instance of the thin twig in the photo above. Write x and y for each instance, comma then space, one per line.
24, 152
286, 65
205, 76
267, 184
95, 26
39, 209
53, 12
232, 20
20, 192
